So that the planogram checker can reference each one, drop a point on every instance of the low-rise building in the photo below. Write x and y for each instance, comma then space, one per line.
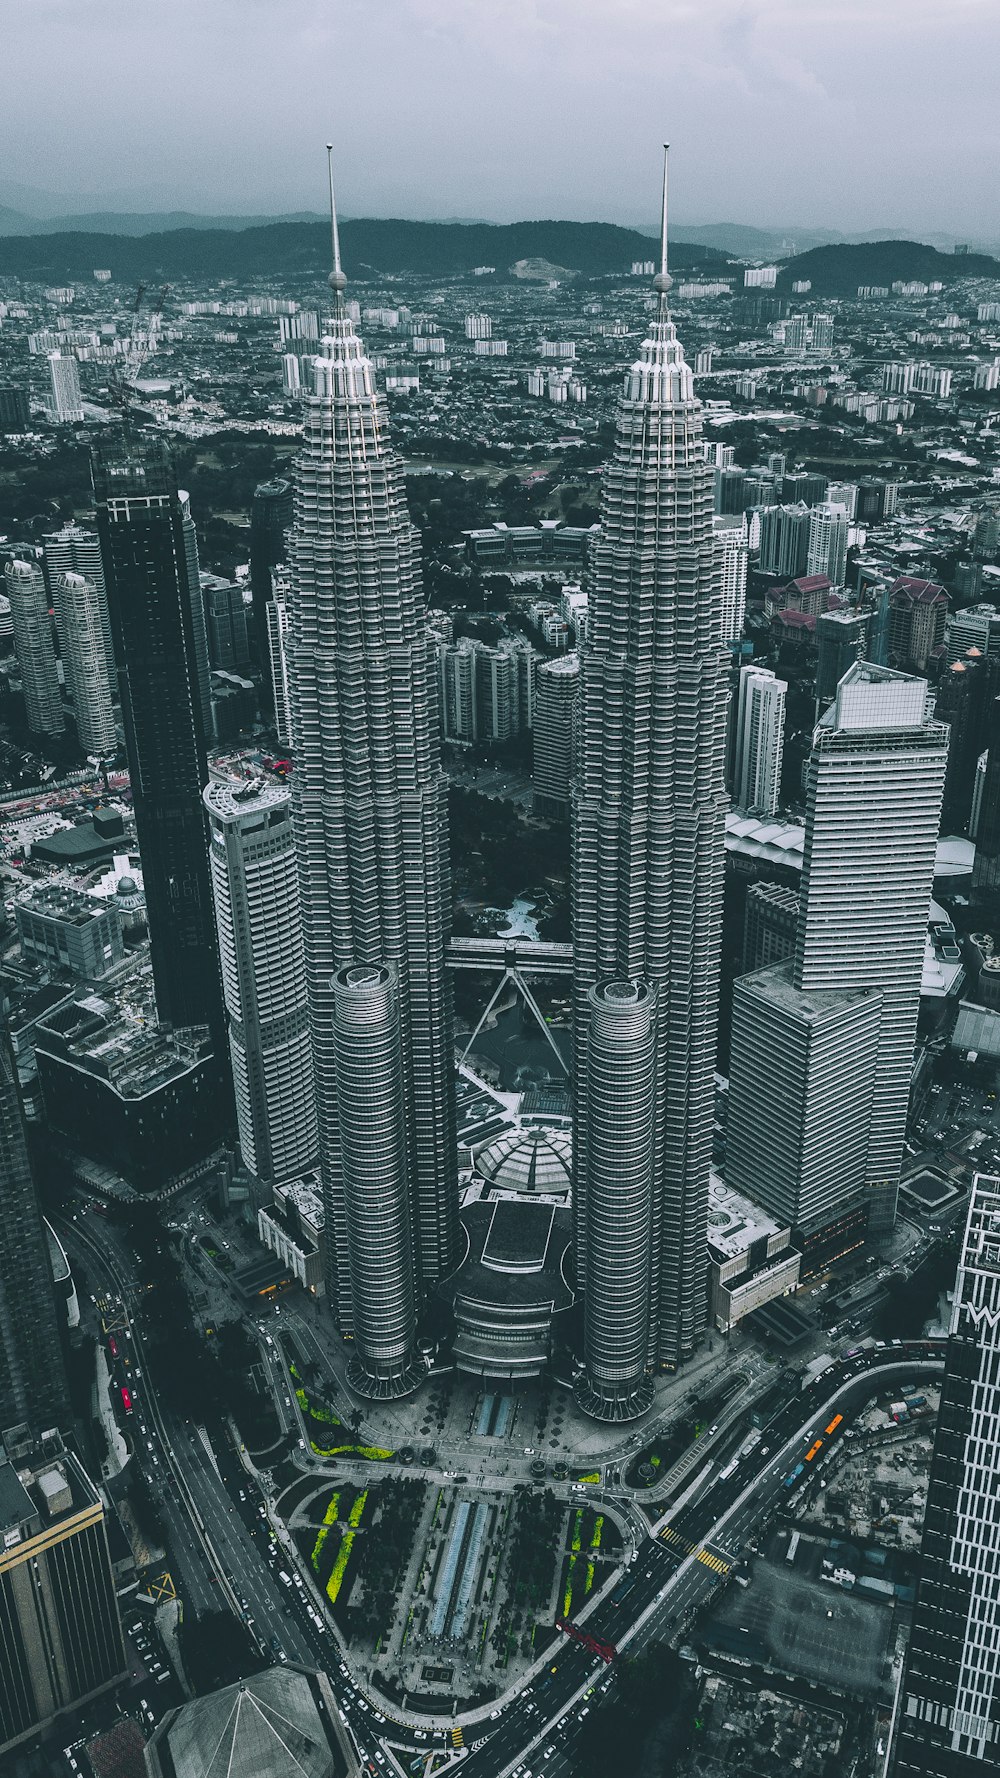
751, 1257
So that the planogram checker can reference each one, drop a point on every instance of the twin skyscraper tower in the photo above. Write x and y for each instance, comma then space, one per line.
369, 816
370, 822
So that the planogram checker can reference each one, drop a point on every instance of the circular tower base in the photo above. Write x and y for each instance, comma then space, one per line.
614, 1408
378, 1388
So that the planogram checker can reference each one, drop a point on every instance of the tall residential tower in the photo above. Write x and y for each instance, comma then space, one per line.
369, 810
650, 803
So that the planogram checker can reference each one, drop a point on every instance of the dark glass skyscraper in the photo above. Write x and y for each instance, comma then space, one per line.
32, 1376
143, 524
947, 1718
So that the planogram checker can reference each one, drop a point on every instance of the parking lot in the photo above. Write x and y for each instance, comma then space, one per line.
811, 1628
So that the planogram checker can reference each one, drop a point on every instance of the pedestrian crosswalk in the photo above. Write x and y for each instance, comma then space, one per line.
681, 1545
457, 1737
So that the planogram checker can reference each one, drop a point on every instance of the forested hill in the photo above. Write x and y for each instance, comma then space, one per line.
840, 270
438, 249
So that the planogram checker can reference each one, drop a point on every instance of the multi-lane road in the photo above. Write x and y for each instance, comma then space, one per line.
225, 1550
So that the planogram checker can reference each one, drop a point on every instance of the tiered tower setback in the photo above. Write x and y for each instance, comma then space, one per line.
650, 802
369, 796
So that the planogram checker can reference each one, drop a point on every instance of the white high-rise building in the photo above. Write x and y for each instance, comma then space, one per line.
34, 647
77, 604
557, 687
760, 740
277, 630
73, 550
827, 548
64, 380
478, 327
258, 920
734, 557
650, 804
290, 375
369, 803
874, 786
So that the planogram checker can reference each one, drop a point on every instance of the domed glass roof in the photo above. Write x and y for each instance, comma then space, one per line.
528, 1161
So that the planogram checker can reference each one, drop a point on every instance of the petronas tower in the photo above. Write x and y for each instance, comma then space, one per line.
369, 806
649, 830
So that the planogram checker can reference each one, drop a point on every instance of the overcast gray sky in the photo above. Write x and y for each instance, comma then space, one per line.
839, 114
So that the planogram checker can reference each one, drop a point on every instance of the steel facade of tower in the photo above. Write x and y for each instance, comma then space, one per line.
143, 526
368, 794
650, 803
621, 1057
947, 1718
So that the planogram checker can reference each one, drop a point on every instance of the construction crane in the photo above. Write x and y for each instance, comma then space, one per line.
141, 345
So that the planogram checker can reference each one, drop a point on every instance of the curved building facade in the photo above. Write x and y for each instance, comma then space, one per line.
621, 1061
257, 917
373, 1160
649, 802
369, 798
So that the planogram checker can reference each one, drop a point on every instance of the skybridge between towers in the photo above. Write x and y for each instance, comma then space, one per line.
513, 959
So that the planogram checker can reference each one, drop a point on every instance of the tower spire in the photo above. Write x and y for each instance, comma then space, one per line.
337, 280
663, 280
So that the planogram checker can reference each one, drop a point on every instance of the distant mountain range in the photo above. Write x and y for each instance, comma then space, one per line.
839, 270
117, 222
301, 248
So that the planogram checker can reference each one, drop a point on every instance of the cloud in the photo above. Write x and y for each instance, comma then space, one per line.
838, 113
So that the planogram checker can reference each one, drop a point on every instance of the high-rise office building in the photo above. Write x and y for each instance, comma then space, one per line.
77, 604
947, 1715
225, 624
840, 641
143, 525
770, 923
34, 647
650, 801
874, 785
33, 1384
270, 516
760, 740
276, 612
498, 694
557, 689
259, 925
458, 689
368, 794
734, 556
963, 699
916, 623
976, 626
14, 409
59, 1626
784, 540
64, 388
199, 630
827, 552
74, 550
986, 866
